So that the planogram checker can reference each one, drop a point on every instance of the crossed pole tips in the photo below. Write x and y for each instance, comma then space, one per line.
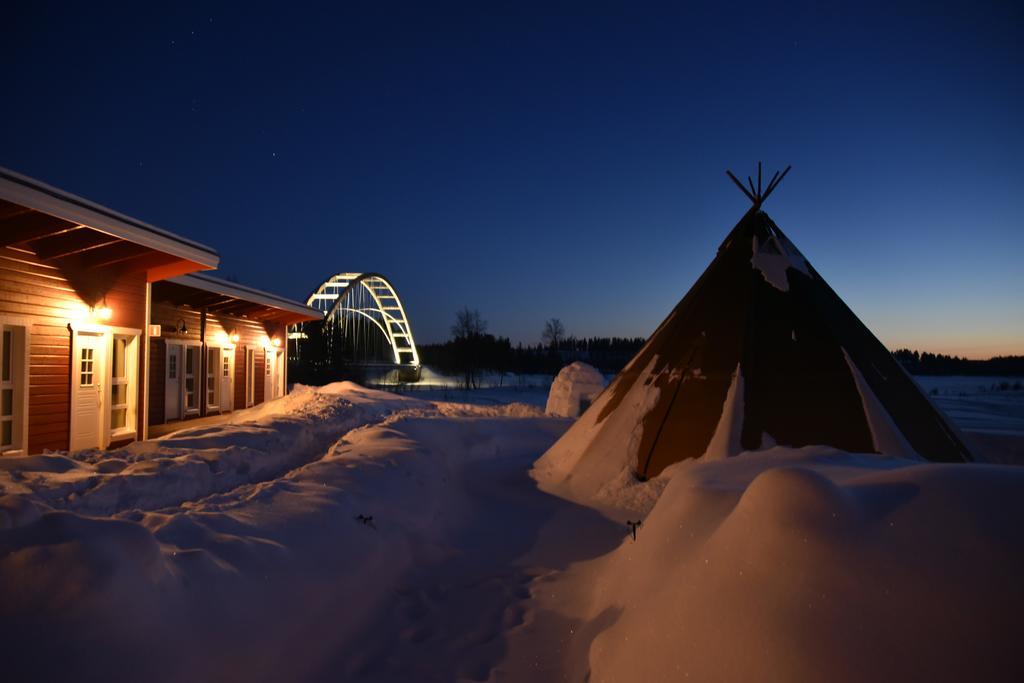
633, 527
754, 194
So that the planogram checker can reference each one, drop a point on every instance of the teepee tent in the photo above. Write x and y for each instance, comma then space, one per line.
760, 351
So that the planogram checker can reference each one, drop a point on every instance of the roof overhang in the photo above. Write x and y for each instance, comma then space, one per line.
66, 230
201, 291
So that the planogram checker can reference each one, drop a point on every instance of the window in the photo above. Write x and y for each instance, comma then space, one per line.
120, 384
212, 385
86, 368
226, 365
172, 366
12, 387
191, 353
266, 363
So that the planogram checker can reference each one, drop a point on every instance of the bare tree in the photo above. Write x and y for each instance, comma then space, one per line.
554, 332
468, 324
468, 332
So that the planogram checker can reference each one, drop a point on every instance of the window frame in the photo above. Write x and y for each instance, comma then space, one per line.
17, 383
212, 381
185, 377
128, 379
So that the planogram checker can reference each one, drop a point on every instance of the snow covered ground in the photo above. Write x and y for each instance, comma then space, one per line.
342, 533
993, 405
990, 411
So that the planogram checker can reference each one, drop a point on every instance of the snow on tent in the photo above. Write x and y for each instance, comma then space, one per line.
760, 351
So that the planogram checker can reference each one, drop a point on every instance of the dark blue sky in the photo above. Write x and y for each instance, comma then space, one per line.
553, 160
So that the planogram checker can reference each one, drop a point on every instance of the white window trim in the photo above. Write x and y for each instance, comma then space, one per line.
26, 325
213, 372
183, 371
131, 372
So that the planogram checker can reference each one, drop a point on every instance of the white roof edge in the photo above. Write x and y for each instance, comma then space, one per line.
44, 198
216, 285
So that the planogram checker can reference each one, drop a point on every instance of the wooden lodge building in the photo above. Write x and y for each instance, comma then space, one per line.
107, 326
221, 346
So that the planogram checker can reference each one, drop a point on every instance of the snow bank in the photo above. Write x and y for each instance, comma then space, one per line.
810, 564
574, 389
252, 445
260, 574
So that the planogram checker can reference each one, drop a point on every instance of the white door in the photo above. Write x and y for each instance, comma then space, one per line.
227, 372
274, 377
268, 375
88, 373
172, 383
279, 373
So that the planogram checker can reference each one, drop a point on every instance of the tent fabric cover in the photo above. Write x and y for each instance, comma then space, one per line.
760, 307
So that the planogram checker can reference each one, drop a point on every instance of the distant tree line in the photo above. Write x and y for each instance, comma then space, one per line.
325, 355
924, 363
471, 351
488, 353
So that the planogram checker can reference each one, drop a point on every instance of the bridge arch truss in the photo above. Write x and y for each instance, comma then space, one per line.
363, 303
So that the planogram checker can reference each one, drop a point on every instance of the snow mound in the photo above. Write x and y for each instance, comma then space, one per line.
812, 564
260, 573
574, 389
252, 445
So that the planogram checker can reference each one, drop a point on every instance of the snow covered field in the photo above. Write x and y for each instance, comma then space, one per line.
993, 405
990, 411
342, 533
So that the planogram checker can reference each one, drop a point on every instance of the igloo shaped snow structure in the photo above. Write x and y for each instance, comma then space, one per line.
574, 389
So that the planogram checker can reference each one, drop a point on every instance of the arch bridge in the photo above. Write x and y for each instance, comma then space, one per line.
370, 318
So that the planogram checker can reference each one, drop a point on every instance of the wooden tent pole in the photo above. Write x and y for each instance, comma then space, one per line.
740, 185
772, 187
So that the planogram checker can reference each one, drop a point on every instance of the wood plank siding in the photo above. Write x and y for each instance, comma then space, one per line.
260, 380
157, 379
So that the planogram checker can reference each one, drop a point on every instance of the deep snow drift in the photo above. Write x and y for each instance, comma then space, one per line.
804, 565
347, 534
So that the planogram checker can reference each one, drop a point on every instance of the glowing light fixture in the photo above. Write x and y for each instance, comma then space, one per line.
181, 328
276, 341
104, 313
221, 338
234, 337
